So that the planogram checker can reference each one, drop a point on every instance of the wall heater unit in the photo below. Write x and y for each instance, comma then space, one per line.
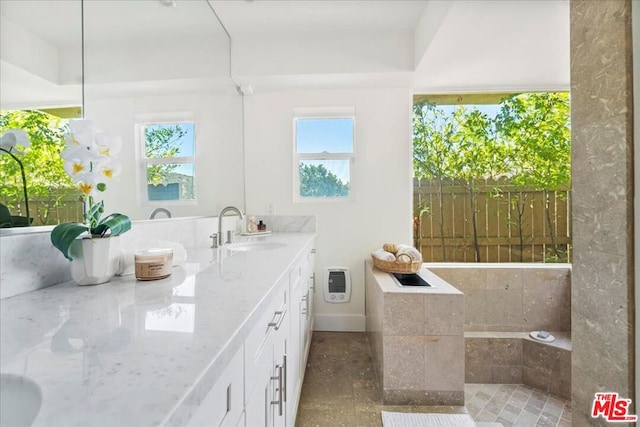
337, 285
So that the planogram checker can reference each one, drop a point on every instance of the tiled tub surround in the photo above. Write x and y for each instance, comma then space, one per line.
28, 260
515, 358
511, 297
503, 303
416, 338
140, 353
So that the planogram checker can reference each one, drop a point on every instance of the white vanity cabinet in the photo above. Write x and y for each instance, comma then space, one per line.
272, 360
223, 405
300, 278
265, 363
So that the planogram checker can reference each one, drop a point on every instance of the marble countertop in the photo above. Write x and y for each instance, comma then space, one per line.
140, 353
388, 284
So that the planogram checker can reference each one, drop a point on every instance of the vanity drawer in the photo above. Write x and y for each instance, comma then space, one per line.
224, 404
258, 348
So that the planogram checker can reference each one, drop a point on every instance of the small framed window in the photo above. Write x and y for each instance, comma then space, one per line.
324, 149
168, 168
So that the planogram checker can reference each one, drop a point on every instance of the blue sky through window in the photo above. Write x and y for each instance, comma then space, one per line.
333, 135
186, 144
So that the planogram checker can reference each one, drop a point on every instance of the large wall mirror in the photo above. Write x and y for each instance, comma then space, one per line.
154, 72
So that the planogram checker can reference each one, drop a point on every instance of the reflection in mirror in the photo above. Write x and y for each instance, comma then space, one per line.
41, 81
147, 64
157, 74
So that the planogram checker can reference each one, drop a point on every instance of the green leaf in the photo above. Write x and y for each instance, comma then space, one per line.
63, 235
21, 221
5, 217
116, 223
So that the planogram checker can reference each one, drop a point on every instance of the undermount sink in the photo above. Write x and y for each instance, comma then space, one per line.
20, 400
255, 246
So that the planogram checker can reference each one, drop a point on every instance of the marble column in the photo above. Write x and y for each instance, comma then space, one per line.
602, 160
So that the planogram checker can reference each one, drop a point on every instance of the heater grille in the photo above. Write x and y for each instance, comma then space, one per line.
337, 282
337, 286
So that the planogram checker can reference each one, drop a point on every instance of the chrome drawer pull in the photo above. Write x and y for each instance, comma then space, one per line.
277, 323
279, 389
284, 381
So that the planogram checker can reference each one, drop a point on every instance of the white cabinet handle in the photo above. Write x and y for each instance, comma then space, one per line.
279, 389
284, 382
277, 323
305, 309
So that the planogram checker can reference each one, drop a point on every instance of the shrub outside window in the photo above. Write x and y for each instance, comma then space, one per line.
168, 161
324, 153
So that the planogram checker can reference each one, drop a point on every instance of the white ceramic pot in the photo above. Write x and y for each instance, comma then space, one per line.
95, 260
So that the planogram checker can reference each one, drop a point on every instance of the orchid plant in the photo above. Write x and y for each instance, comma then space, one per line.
90, 160
9, 142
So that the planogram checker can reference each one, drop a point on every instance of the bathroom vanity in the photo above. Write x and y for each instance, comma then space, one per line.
223, 341
416, 334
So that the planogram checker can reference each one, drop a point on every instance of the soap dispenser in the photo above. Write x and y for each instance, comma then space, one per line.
251, 225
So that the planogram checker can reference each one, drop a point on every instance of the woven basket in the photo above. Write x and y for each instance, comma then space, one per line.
397, 267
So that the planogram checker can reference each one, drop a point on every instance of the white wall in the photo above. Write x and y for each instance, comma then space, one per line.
381, 181
219, 171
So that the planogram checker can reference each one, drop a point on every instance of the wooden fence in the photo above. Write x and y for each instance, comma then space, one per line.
49, 210
512, 224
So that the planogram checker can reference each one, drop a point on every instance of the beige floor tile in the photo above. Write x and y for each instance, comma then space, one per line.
341, 389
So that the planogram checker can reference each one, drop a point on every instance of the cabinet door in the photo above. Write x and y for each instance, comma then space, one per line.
241, 421
267, 405
281, 392
258, 412
223, 404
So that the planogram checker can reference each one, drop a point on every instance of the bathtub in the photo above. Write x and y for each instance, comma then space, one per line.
503, 303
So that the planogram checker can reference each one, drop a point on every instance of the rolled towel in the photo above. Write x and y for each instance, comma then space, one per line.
383, 255
405, 251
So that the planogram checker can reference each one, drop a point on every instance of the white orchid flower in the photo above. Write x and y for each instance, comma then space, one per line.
12, 138
89, 185
78, 161
76, 152
84, 139
108, 144
77, 168
109, 168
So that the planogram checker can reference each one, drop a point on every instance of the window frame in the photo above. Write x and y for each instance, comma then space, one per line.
323, 113
141, 122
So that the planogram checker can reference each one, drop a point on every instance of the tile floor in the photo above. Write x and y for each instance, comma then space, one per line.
340, 389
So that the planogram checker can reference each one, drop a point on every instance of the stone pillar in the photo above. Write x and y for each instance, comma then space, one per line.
602, 159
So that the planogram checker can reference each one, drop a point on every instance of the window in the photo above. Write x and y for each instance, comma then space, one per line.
168, 161
324, 153
51, 196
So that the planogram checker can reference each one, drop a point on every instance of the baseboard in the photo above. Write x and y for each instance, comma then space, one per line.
340, 323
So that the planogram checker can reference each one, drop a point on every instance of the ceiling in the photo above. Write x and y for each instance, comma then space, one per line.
459, 46
272, 17
432, 46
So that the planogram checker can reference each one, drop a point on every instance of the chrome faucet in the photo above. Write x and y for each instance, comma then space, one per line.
217, 238
157, 211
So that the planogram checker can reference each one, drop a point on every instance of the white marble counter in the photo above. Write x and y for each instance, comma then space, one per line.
130, 353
